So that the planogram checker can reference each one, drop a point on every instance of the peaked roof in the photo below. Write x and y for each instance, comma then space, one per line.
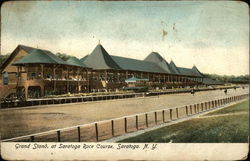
196, 70
75, 62
40, 56
159, 60
100, 59
137, 65
173, 68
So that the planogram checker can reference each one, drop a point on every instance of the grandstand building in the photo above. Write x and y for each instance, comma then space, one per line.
32, 73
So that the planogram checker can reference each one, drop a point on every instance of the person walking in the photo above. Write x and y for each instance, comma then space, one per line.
225, 91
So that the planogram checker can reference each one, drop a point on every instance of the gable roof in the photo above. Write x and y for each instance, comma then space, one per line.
100, 59
13, 54
75, 62
137, 65
159, 60
27, 49
37, 56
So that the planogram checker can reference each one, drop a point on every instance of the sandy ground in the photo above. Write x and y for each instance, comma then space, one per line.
23, 121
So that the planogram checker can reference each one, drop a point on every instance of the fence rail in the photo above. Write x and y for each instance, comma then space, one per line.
107, 129
65, 100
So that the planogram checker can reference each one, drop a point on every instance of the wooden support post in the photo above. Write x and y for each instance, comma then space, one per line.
163, 116
54, 76
58, 136
79, 134
42, 71
118, 77
42, 90
88, 81
112, 127
171, 114
155, 118
78, 83
136, 122
96, 132
125, 125
146, 119
67, 79
26, 92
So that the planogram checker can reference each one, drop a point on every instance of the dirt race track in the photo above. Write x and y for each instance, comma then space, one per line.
24, 121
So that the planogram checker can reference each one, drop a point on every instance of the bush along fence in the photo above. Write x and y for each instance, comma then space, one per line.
64, 100
107, 129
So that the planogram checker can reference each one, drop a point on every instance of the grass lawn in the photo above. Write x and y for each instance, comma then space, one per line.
223, 129
241, 107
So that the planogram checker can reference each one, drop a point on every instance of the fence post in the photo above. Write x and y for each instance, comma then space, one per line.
32, 138
96, 132
136, 122
112, 127
191, 111
125, 124
146, 119
79, 134
155, 118
177, 113
186, 110
171, 114
163, 116
58, 136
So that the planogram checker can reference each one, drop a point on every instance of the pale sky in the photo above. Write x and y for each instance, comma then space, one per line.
212, 35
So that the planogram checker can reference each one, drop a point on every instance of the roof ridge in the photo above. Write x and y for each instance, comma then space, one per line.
100, 58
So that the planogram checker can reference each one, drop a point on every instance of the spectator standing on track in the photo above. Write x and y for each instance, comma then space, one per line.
192, 92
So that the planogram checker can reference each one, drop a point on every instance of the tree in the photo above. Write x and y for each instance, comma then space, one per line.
3, 58
229, 78
63, 56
